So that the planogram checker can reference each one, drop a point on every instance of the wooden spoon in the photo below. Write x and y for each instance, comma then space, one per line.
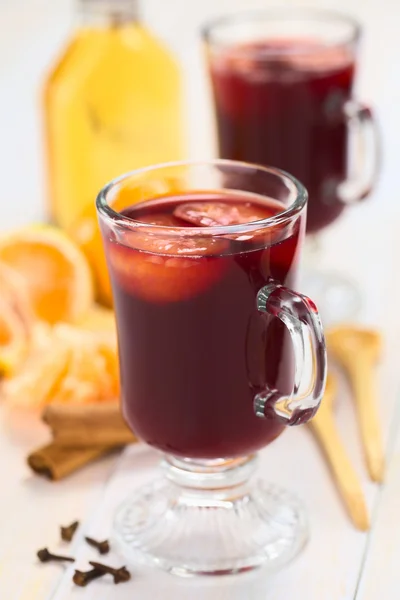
324, 428
357, 350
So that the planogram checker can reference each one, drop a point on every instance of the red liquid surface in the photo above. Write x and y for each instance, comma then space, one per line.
194, 350
287, 112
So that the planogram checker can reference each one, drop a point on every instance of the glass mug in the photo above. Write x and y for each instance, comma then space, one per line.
283, 88
218, 353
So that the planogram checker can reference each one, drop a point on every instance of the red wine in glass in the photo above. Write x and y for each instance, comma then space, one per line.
282, 103
185, 349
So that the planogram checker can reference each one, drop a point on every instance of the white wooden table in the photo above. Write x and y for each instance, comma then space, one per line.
339, 563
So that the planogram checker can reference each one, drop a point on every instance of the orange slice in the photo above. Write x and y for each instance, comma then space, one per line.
14, 292
210, 213
161, 279
13, 339
86, 231
55, 272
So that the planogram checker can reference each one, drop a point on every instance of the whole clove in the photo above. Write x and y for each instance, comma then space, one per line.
120, 575
45, 556
83, 578
102, 547
67, 533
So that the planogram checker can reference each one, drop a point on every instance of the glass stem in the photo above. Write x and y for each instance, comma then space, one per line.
218, 479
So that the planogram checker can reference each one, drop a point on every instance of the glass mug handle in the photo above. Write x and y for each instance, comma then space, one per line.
301, 318
366, 140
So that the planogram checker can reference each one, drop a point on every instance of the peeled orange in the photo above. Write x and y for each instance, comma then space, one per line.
98, 318
34, 383
65, 364
92, 371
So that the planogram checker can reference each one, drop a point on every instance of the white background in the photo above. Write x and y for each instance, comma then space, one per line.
339, 563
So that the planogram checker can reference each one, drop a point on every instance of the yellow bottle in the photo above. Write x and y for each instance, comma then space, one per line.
112, 104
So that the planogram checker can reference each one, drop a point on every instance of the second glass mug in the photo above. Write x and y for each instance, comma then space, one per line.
218, 353
283, 84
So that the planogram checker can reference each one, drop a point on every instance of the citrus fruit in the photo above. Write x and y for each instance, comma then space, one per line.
92, 372
55, 272
98, 318
209, 214
14, 292
13, 339
161, 278
65, 364
41, 372
86, 231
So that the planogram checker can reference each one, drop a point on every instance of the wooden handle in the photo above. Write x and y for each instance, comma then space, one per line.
343, 471
357, 350
364, 387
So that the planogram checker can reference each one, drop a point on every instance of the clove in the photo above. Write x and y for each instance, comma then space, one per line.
67, 533
120, 575
83, 578
102, 547
45, 556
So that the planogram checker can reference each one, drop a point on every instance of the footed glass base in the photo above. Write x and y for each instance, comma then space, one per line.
207, 518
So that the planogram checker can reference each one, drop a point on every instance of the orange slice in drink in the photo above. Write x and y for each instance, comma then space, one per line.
167, 270
209, 214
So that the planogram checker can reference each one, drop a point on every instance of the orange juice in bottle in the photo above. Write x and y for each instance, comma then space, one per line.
112, 104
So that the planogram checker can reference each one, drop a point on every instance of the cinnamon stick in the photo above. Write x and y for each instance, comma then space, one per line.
81, 434
55, 462
84, 426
